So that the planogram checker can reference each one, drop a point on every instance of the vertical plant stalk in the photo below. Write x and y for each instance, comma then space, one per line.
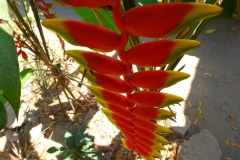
39, 26
98, 17
35, 43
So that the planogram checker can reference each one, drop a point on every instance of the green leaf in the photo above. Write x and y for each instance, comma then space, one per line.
96, 155
146, 2
229, 7
88, 16
25, 75
68, 135
3, 116
69, 138
87, 145
68, 156
53, 149
9, 70
2, 99
83, 128
63, 148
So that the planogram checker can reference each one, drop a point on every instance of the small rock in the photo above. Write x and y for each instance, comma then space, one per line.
201, 146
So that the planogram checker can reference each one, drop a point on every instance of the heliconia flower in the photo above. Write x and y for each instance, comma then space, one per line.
156, 79
149, 150
152, 20
117, 110
113, 98
111, 83
151, 126
144, 154
151, 113
125, 129
147, 142
88, 3
159, 53
128, 144
129, 135
137, 147
155, 99
85, 34
117, 117
117, 120
138, 139
150, 135
98, 62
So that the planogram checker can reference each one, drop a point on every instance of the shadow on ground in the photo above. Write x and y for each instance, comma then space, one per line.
217, 85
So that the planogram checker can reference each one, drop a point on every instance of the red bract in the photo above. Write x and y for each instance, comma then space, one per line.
147, 124
159, 53
111, 83
86, 34
113, 98
166, 19
98, 62
151, 113
115, 109
160, 99
156, 79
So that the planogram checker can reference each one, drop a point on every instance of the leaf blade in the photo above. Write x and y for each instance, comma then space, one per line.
3, 116
9, 69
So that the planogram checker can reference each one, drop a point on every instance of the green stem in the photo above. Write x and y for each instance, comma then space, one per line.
98, 17
36, 16
25, 10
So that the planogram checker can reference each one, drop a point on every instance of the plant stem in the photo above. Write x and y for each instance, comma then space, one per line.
35, 12
98, 17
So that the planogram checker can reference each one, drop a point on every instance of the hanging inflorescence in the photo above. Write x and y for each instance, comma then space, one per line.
132, 102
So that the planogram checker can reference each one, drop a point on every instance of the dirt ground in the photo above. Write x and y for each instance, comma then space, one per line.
216, 84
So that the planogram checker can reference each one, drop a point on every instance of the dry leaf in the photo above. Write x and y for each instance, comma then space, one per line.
199, 110
235, 144
235, 128
190, 105
200, 85
209, 31
232, 118
200, 103
228, 80
232, 125
234, 28
50, 124
76, 115
196, 120
209, 74
227, 143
